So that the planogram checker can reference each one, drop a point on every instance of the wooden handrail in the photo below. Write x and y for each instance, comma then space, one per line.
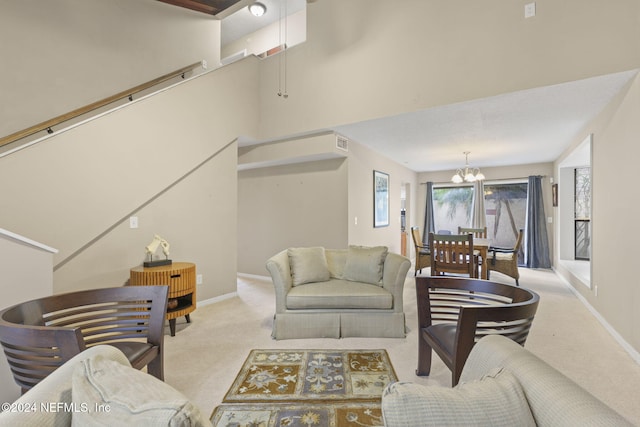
94, 106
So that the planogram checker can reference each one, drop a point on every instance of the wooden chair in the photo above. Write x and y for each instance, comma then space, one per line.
423, 254
478, 233
451, 253
505, 260
38, 336
454, 313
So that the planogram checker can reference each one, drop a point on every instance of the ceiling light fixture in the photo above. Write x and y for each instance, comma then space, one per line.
467, 174
257, 8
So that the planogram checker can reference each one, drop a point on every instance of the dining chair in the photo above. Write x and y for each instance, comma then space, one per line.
505, 260
478, 233
452, 253
423, 254
454, 313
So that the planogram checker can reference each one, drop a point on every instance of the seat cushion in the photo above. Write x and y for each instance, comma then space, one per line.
338, 294
139, 354
502, 256
442, 333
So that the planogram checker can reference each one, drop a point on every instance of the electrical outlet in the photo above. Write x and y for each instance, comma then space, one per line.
199, 279
133, 222
355, 221
595, 290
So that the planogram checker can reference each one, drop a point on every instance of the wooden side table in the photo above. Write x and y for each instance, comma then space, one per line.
181, 278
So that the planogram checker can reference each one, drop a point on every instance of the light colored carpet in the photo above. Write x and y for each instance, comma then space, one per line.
204, 357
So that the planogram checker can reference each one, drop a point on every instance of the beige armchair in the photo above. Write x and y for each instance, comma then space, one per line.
333, 293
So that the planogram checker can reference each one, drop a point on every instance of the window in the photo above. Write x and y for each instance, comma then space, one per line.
582, 213
505, 207
452, 208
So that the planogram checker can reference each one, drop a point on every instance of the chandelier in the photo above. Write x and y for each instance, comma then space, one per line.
467, 174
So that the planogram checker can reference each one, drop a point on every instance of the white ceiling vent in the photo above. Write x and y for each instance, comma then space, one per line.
342, 143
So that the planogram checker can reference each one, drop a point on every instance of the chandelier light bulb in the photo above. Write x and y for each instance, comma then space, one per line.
467, 174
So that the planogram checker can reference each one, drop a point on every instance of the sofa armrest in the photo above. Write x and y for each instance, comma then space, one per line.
553, 398
278, 267
394, 275
55, 389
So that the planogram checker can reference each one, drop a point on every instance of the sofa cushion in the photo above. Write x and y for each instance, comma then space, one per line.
339, 294
365, 264
336, 260
496, 399
308, 265
115, 394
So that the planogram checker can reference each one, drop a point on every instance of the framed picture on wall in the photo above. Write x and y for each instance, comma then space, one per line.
380, 199
554, 194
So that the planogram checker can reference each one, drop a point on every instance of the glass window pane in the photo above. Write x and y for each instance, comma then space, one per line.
452, 208
506, 208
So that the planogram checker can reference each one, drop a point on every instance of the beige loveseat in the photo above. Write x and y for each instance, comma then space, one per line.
333, 293
502, 384
98, 387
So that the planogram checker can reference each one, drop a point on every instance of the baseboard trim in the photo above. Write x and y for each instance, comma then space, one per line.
216, 299
635, 355
253, 276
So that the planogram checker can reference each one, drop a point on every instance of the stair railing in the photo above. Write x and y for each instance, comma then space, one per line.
49, 125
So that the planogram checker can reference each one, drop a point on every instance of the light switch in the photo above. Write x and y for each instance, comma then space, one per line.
133, 222
529, 10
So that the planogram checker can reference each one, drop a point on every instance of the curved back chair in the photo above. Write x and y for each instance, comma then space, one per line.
478, 233
454, 313
505, 260
38, 336
423, 254
451, 253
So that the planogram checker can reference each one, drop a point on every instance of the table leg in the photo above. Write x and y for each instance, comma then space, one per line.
172, 327
188, 317
483, 254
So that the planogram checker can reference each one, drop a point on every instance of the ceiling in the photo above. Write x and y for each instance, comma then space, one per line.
529, 126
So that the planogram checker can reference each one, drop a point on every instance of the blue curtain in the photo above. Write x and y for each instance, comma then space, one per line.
429, 225
536, 244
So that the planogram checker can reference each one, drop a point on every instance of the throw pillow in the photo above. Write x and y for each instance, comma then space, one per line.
365, 264
496, 399
308, 265
106, 392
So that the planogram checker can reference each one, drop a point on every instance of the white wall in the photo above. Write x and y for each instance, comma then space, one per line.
362, 162
170, 159
59, 55
27, 272
363, 59
613, 293
270, 36
303, 204
313, 203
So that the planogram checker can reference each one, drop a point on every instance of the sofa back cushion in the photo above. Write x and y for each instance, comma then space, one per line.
308, 265
365, 264
336, 260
